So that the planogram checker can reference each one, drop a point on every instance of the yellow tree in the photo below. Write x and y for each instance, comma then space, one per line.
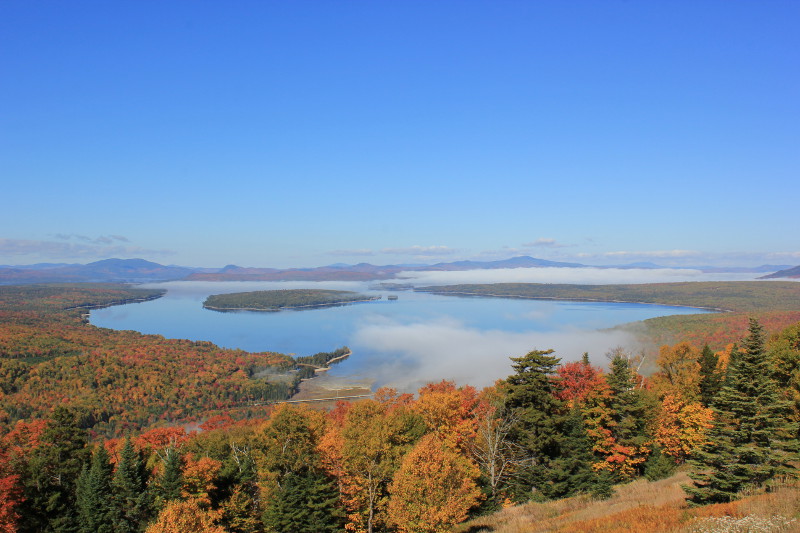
449, 412
199, 477
186, 517
375, 436
682, 426
679, 372
434, 488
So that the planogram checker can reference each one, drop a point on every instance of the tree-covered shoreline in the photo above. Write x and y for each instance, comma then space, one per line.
278, 300
732, 296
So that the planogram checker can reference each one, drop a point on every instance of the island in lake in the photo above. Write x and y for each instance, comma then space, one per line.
278, 300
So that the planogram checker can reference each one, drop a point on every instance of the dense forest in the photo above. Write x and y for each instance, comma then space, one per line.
120, 380
129, 432
282, 299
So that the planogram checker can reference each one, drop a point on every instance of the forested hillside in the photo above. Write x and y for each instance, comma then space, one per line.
50, 355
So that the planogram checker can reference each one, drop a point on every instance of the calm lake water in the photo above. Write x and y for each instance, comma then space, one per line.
415, 339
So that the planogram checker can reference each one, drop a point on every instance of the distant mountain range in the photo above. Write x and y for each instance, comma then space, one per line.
107, 270
139, 270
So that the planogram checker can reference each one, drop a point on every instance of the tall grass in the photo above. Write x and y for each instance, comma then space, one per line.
644, 506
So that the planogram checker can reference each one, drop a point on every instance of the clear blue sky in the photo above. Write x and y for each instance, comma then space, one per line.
303, 133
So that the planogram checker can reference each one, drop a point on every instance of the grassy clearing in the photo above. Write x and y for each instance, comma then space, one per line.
644, 506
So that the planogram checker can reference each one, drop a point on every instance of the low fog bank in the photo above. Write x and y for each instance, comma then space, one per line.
194, 289
446, 349
587, 276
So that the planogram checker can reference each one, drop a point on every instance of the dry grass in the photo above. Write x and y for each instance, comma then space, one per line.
644, 506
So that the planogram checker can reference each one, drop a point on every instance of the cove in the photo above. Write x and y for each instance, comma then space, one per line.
415, 339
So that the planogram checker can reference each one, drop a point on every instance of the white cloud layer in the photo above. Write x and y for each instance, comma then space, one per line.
589, 276
655, 253
449, 350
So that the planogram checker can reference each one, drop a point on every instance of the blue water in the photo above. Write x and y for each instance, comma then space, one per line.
424, 332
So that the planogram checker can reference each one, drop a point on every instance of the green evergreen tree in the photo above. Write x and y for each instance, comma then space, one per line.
132, 500
51, 474
168, 484
752, 439
93, 495
710, 378
784, 357
629, 406
531, 404
659, 465
306, 502
571, 471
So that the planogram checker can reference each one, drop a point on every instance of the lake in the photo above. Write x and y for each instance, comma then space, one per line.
404, 343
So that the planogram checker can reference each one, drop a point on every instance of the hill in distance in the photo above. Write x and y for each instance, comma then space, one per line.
793, 273
140, 270
107, 270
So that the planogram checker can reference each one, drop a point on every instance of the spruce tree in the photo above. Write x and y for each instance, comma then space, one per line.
51, 474
571, 471
307, 501
752, 439
630, 410
531, 404
710, 378
659, 465
93, 495
132, 501
168, 484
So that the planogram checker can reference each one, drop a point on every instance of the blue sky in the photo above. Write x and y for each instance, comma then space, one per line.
307, 133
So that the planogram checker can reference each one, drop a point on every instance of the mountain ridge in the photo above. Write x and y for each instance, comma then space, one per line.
139, 270
793, 272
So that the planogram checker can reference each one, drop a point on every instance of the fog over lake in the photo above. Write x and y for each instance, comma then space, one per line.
404, 343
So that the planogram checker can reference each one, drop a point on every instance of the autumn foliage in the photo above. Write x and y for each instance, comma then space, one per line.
188, 451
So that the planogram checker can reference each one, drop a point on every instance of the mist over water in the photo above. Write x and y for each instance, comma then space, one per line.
405, 343
448, 349
581, 276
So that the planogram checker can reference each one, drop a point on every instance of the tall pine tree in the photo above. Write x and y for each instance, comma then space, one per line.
169, 483
571, 472
52, 471
531, 404
630, 415
132, 501
307, 501
710, 377
93, 495
752, 439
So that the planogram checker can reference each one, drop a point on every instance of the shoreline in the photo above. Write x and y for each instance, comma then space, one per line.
571, 299
327, 365
118, 302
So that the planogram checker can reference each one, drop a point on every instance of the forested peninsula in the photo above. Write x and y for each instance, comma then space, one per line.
278, 300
